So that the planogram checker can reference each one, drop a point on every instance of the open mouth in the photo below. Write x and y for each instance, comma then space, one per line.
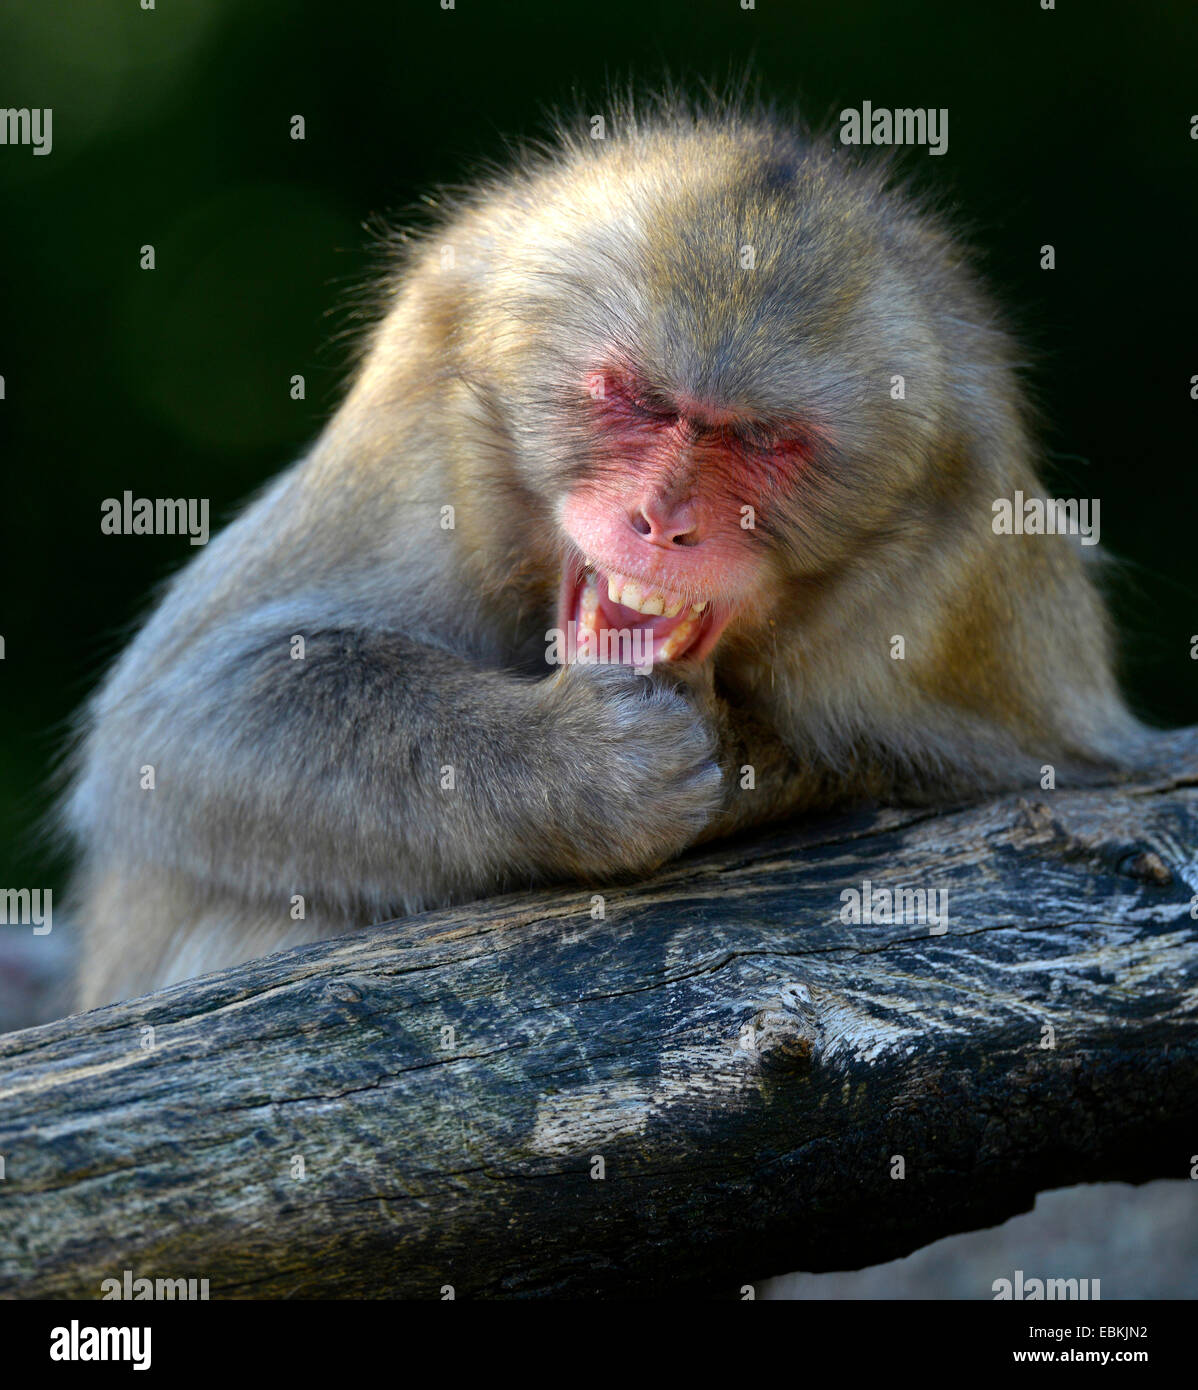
636, 622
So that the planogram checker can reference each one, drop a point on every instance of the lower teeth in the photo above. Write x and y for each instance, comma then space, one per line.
678, 640
672, 645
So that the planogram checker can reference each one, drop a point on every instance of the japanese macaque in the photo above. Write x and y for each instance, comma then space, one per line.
706, 384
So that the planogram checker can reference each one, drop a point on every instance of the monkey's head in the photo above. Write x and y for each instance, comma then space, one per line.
733, 361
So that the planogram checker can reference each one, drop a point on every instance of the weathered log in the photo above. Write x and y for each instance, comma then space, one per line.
748, 1066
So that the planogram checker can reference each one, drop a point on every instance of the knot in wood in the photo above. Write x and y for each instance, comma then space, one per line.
781, 1035
343, 991
1045, 825
1147, 866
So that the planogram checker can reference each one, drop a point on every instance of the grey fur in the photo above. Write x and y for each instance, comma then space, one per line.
322, 777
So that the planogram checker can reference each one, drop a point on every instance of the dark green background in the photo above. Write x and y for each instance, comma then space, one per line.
171, 127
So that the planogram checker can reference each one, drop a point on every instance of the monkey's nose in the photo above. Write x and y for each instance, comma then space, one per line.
665, 525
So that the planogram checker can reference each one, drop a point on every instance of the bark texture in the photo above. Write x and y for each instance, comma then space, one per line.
717, 1080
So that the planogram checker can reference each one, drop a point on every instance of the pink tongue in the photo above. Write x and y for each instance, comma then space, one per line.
617, 616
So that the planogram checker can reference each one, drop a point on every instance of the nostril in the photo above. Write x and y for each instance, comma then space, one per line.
671, 526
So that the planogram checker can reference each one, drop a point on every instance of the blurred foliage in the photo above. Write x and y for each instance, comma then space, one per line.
171, 126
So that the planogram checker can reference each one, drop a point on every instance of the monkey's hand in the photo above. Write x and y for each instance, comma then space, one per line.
764, 780
642, 777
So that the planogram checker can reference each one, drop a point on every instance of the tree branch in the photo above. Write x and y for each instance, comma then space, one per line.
748, 1066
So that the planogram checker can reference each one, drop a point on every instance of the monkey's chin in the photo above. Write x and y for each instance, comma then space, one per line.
612, 618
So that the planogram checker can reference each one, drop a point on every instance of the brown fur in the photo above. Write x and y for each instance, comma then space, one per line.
425, 646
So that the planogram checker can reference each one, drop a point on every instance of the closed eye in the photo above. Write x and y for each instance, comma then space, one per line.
656, 409
634, 400
650, 405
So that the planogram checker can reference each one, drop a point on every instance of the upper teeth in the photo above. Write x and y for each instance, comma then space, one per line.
653, 602
624, 591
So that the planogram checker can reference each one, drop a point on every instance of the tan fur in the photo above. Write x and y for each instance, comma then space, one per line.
323, 778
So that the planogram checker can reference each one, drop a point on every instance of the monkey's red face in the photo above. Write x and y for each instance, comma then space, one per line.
665, 514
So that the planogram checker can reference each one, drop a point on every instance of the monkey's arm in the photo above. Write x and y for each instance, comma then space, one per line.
378, 772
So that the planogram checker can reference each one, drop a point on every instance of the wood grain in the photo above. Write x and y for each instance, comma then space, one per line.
746, 1064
